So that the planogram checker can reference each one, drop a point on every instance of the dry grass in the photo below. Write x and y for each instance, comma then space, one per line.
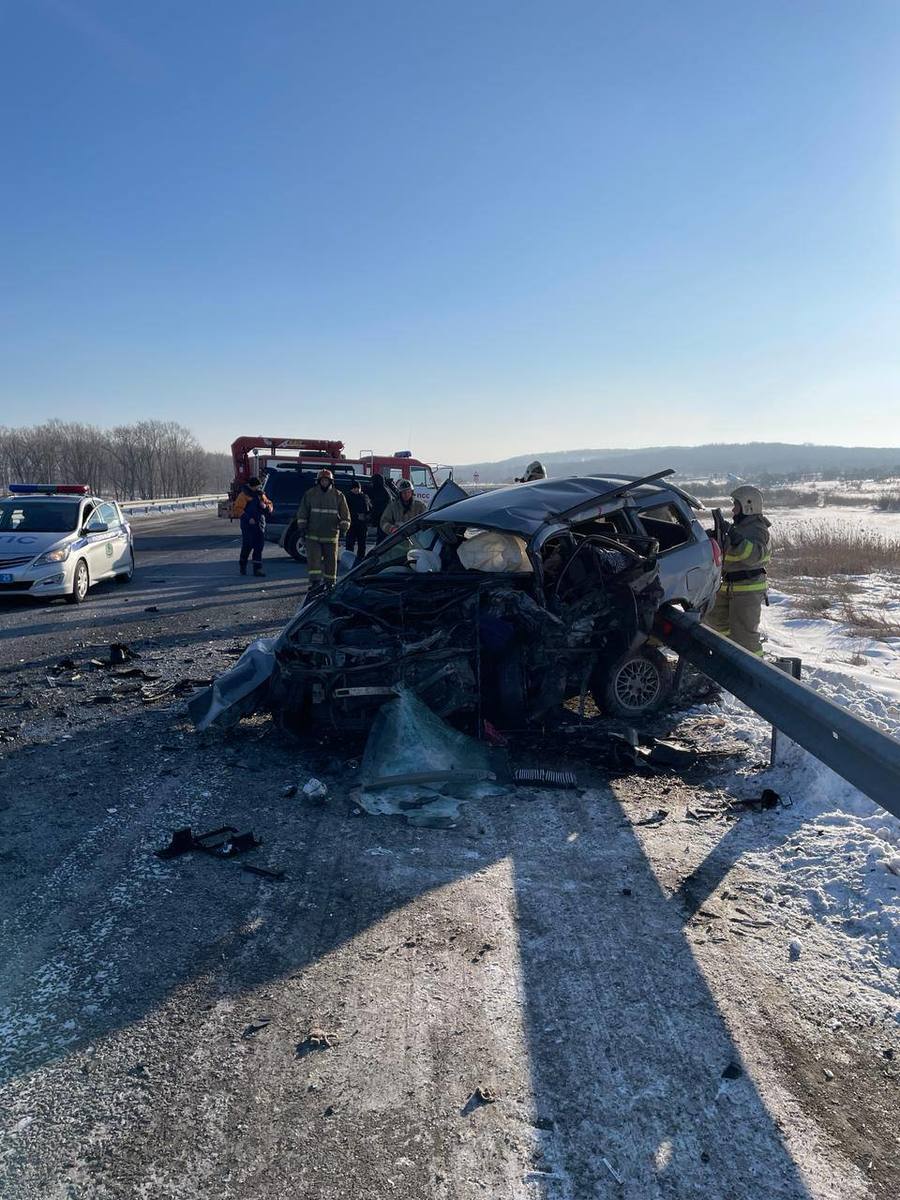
874, 621
846, 499
820, 551
816, 566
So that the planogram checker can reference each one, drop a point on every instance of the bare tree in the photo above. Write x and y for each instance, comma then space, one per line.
147, 460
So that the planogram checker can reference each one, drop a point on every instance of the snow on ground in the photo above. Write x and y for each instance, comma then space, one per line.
839, 856
839, 516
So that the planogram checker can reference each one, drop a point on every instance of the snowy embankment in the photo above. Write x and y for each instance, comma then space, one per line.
840, 854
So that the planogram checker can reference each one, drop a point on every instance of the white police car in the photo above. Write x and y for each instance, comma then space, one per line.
59, 540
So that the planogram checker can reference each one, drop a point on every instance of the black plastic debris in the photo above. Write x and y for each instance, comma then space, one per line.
541, 777
768, 799
256, 1026
666, 754
225, 842
152, 608
119, 653
182, 842
263, 871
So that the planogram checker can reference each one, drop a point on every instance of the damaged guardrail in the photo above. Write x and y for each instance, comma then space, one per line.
852, 747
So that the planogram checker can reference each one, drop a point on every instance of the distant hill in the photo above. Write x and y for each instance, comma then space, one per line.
742, 459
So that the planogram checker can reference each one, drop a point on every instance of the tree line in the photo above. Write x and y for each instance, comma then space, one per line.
148, 460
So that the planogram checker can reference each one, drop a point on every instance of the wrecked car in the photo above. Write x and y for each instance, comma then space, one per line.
501, 606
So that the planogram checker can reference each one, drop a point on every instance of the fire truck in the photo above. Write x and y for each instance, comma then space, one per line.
288, 466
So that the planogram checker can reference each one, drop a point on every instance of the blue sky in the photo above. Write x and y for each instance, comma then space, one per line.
476, 229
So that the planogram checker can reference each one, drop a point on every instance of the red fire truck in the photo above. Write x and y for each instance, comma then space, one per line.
257, 455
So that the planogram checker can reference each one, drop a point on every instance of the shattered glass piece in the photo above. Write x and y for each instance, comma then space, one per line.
417, 766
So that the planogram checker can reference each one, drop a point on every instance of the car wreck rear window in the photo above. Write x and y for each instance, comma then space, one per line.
38, 516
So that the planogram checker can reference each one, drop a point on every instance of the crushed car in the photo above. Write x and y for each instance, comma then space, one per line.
499, 607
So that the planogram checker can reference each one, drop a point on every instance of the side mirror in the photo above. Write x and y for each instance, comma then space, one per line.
99, 527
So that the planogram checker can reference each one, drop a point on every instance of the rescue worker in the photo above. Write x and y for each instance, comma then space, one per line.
251, 505
533, 472
360, 510
404, 507
738, 606
323, 516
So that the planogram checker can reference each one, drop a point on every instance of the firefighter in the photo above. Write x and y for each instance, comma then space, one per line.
533, 472
322, 517
360, 510
251, 505
402, 508
738, 605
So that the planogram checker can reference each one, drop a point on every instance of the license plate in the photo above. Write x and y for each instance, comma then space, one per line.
6, 578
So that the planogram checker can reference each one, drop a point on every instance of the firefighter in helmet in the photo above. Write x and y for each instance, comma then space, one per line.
322, 517
533, 472
738, 606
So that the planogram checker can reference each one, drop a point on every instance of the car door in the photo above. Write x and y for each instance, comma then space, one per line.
99, 546
683, 565
120, 554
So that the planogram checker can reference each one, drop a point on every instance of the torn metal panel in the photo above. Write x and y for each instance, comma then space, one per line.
238, 691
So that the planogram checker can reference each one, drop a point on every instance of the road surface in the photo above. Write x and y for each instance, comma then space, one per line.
598, 962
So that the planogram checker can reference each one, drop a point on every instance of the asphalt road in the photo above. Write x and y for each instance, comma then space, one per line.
578, 956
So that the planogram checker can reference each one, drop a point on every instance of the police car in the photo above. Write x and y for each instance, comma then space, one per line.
59, 540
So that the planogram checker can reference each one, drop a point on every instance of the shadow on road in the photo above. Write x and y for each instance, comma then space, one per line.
626, 1044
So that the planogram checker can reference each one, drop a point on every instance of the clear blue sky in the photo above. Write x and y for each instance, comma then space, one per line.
476, 229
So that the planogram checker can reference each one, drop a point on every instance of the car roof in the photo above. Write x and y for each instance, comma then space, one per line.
57, 496
523, 508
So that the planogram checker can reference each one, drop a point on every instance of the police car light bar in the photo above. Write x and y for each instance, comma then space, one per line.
49, 489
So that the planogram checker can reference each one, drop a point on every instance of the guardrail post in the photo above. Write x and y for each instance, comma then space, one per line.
794, 668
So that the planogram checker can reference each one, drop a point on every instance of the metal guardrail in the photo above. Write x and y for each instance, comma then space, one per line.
173, 504
852, 747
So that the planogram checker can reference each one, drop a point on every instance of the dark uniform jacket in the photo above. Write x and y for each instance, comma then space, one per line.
323, 516
747, 554
360, 507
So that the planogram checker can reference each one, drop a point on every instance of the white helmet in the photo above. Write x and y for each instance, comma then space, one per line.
749, 499
533, 472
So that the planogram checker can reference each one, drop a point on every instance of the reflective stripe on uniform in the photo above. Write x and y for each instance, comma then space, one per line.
759, 586
745, 551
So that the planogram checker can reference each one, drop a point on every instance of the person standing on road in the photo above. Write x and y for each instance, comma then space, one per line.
322, 517
360, 510
738, 607
252, 505
402, 508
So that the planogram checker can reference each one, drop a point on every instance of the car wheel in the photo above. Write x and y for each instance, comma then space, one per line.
293, 543
80, 583
125, 576
637, 683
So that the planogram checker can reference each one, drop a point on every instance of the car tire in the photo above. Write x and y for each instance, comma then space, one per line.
293, 544
81, 582
638, 683
125, 576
